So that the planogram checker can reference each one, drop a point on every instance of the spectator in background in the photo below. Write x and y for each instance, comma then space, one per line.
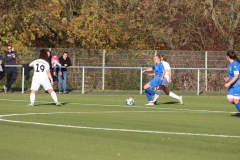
62, 79
56, 64
10, 58
1, 66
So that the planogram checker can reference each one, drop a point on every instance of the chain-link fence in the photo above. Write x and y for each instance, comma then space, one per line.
122, 79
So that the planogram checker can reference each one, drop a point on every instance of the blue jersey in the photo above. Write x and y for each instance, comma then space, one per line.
158, 68
233, 69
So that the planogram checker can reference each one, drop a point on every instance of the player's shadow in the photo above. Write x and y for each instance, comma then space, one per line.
170, 102
236, 115
51, 104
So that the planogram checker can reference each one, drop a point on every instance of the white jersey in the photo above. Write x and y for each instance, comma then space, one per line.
167, 69
40, 67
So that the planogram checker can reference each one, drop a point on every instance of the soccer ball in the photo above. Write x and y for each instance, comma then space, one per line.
129, 101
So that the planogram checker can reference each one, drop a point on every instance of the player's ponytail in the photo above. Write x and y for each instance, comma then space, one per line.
231, 54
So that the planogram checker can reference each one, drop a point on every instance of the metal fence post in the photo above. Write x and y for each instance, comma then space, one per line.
206, 66
141, 81
83, 70
198, 81
22, 79
103, 69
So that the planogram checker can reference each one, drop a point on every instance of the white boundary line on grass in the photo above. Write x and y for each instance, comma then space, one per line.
133, 106
108, 129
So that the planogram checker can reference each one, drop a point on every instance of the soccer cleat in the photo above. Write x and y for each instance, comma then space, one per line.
155, 102
58, 104
5, 89
180, 100
155, 97
31, 104
150, 104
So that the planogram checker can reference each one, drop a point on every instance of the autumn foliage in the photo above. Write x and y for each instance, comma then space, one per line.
122, 24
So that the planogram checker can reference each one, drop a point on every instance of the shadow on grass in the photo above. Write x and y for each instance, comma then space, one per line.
158, 103
51, 104
236, 115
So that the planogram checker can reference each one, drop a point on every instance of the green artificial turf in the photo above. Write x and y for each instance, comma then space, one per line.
103, 127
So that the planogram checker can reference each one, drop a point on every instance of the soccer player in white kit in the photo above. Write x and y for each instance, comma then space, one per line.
41, 78
166, 81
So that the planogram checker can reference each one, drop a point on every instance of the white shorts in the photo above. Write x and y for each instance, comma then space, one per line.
165, 82
36, 83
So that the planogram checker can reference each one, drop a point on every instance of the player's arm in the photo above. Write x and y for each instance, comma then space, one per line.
147, 70
49, 76
232, 80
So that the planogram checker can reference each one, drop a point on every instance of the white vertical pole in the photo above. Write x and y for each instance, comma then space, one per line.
141, 81
155, 52
206, 66
198, 81
22, 79
103, 70
83, 74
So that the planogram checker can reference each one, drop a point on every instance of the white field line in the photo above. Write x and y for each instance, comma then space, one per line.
109, 129
133, 106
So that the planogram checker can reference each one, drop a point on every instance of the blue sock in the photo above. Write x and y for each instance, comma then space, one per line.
238, 106
150, 91
149, 97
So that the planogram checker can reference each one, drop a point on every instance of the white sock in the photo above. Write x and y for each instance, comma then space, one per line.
158, 92
173, 95
32, 98
54, 97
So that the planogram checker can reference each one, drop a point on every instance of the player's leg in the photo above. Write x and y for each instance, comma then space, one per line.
236, 97
32, 97
148, 95
158, 91
173, 95
163, 85
230, 97
34, 88
148, 89
47, 86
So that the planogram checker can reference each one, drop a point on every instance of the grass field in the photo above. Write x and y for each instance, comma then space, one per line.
103, 127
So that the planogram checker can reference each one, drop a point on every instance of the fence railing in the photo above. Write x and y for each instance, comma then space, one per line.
132, 68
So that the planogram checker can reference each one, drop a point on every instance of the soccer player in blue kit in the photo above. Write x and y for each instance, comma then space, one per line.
233, 79
156, 81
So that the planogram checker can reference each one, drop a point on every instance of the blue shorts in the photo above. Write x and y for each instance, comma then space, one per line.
233, 92
155, 82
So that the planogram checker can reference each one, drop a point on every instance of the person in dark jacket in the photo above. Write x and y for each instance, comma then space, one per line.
1, 66
62, 79
10, 58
